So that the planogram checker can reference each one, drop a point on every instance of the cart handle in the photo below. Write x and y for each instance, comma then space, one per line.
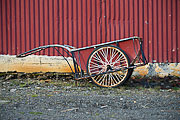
38, 49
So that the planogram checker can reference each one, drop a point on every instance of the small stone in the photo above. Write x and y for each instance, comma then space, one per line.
162, 84
42, 81
104, 106
38, 88
68, 87
3, 89
47, 81
4, 101
12, 90
21, 88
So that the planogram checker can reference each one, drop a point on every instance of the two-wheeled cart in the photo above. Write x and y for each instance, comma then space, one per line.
107, 64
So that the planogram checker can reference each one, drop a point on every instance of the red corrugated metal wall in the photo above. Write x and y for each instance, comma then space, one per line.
26, 24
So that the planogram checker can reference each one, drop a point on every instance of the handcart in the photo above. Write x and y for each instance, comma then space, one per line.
107, 64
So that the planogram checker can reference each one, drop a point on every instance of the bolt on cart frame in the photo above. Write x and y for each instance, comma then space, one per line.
107, 64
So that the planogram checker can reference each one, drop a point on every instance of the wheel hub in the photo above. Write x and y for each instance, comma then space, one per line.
109, 68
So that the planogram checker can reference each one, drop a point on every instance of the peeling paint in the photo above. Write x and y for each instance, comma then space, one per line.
142, 71
159, 70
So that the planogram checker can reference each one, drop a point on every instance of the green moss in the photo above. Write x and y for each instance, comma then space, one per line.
16, 82
97, 114
157, 88
23, 84
2, 74
140, 88
49, 95
35, 95
22, 113
175, 88
36, 113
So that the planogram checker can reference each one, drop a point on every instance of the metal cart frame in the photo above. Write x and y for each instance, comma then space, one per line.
139, 58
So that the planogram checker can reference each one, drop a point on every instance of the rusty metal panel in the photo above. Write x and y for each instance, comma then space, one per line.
25, 24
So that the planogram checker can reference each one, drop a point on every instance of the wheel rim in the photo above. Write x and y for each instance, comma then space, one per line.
105, 59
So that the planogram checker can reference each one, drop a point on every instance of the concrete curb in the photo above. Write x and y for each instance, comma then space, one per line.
36, 63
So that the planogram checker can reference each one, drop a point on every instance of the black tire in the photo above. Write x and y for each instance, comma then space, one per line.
101, 60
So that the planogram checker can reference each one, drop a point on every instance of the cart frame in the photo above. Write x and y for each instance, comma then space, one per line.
78, 72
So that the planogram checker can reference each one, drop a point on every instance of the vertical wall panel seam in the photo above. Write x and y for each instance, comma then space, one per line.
48, 25
143, 21
29, 25
171, 33
63, 24
128, 20
167, 31
7, 42
25, 37
2, 45
133, 19
157, 32
10, 49
67, 23
82, 41
172, 29
53, 25
100, 22
119, 20
152, 58
34, 15
86, 24
95, 22
53, 21
58, 11
114, 20
39, 41
148, 32
91, 18
77, 24
162, 37
20, 47
105, 20
109, 22
138, 17
177, 59
43, 24
72, 21
123, 18
15, 11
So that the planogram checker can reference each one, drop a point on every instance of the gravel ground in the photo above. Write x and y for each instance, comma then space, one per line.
63, 101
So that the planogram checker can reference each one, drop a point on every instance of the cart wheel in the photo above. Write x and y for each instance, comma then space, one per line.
108, 58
